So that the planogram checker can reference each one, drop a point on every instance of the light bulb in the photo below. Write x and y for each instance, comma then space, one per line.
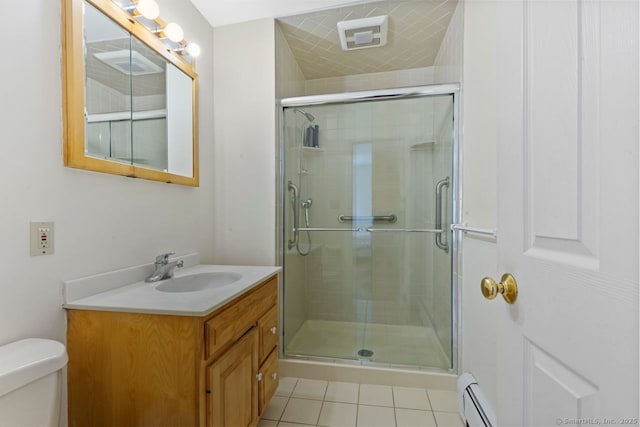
148, 8
193, 49
173, 32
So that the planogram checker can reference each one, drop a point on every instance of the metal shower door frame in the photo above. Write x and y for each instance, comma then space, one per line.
452, 89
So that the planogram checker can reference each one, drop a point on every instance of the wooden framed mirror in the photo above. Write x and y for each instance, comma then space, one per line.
130, 101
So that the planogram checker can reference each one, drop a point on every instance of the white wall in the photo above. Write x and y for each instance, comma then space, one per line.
468, 55
102, 222
245, 156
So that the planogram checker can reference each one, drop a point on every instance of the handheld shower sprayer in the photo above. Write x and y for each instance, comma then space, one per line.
306, 204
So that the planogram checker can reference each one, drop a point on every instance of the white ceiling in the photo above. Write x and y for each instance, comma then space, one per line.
224, 12
416, 30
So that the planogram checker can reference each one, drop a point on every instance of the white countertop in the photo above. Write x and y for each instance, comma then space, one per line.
141, 297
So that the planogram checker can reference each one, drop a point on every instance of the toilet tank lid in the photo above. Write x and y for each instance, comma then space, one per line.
24, 361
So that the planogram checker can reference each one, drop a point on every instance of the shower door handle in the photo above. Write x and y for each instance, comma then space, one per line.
439, 194
349, 218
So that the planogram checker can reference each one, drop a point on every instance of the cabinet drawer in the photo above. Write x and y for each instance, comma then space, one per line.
269, 382
268, 332
232, 322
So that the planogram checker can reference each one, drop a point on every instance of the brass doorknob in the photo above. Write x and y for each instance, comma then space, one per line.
508, 287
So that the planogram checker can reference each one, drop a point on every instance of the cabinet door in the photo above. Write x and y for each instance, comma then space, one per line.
269, 382
232, 386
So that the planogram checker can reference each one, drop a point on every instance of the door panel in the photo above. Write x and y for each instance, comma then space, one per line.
556, 387
232, 385
561, 128
568, 210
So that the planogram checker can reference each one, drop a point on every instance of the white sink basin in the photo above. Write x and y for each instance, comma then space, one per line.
199, 282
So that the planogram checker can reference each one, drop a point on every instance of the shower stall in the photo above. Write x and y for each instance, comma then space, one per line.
369, 190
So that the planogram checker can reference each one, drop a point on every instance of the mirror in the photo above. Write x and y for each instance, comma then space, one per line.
130, 100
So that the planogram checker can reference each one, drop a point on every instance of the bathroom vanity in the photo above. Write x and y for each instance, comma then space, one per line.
137, 358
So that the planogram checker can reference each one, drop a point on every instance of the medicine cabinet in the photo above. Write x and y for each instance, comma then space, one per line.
130, 100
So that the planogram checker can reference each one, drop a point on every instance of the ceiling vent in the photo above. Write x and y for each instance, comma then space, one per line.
363, 33
129, 62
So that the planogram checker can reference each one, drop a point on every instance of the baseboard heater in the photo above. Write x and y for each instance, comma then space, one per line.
475, 410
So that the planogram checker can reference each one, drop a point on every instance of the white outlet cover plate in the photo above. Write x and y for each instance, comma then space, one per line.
35, 238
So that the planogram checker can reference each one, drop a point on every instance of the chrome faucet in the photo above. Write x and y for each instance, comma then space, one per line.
163, 268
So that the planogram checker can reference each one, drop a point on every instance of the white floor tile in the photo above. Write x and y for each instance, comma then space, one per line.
443, 400
267, 423
411, 398
448, 419
376, 395
275, 408
310, 389
334, 414
285, 386
375, 416
283, 424
303, 411
342, 392
414, 418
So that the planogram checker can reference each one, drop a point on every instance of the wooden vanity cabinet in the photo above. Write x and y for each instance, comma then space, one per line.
135, 369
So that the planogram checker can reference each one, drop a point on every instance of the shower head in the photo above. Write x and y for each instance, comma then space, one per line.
309, 116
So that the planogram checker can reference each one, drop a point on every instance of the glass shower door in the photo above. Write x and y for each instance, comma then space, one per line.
367, 266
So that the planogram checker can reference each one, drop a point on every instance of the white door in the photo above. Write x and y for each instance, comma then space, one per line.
568, 211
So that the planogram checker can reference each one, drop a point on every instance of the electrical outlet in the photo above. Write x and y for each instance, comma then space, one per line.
41, 238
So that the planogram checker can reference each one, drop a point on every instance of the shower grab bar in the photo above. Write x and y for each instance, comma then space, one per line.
439, 193
405, 230
465, 229
328, 229
294, 201
349, 218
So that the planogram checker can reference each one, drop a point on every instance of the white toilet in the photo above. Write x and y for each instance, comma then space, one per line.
31, 382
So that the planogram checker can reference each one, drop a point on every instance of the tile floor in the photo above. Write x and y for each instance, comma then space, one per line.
304, 403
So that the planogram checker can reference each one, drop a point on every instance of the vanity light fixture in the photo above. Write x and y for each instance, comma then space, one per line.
173, 32
150, 10
191, 49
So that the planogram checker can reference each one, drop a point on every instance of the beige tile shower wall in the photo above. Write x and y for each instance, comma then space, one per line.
399, 273
289, 78
374, 278
383, 80
327, 178
447, 68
